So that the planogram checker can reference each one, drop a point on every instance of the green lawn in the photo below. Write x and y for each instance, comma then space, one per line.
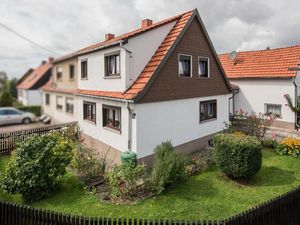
209, 195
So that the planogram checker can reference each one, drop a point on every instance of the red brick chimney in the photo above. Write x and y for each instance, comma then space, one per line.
146, 23
109, 36
50, 60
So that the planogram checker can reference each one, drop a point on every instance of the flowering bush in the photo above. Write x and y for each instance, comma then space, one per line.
289, 146
251, 124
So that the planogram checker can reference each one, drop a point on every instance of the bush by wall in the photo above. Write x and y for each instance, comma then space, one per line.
168, 168
35, 109
289, 146
238, 156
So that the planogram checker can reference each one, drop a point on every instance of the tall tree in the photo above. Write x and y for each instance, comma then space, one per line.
3, 79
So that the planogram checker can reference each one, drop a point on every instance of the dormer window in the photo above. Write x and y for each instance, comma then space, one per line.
203, 67
185, 65
112, 65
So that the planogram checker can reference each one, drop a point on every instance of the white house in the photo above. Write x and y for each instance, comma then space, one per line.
160, 82
262, 78
29, 85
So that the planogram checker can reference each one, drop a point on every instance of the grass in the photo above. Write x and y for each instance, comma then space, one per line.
208, 195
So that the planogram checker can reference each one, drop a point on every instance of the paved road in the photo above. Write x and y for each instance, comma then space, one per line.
10, 128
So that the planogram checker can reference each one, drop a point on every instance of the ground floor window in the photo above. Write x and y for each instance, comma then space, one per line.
89, 111
273, 109
112, 117
47, 99
69, 105
59, 102
208, 110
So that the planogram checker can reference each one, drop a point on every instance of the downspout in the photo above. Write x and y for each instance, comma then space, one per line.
130, 59
129, 126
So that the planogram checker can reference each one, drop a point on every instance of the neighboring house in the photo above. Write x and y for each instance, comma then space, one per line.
160, 82
30, 83
261, 80
58, 94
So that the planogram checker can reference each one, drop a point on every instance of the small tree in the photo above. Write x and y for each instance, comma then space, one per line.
37, 166
6, 99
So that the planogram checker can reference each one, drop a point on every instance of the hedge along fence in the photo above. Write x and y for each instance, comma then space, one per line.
35, 109
8, 140
283, 210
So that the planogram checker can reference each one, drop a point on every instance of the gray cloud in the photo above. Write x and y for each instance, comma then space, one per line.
64, 26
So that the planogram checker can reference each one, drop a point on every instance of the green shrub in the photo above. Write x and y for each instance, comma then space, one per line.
37, 166
237, 156
35, 109
127, 180
168, 168
269, 143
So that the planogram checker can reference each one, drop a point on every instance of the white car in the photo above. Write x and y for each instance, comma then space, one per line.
10, 115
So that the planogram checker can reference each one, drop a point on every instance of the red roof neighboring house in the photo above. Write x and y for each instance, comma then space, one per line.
269, 63
38, 77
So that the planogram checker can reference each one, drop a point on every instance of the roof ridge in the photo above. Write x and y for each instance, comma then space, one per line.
263, 50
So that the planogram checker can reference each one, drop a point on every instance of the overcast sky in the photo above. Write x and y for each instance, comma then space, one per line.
64, 26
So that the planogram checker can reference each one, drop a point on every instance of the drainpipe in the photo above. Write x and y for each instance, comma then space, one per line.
296, 103
129, 126
130, 59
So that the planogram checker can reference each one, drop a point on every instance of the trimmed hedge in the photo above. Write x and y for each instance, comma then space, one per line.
238, 156
35, 109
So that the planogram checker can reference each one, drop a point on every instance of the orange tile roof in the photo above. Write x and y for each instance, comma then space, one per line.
150, 68
37, 74
273, 63
119, 38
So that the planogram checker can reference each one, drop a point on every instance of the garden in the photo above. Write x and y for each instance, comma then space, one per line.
242, 170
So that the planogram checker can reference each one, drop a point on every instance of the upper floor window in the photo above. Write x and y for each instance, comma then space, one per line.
273, 109
69, 105
47, 99
58, 73
208, 110
112, 117
84, 69
203, 67
89, 111
72, 71
185, 65
112, 65
59, 102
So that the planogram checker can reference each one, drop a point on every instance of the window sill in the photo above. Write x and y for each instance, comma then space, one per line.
83, 78
185, 77
112, 77
90, 121
112, 129
208, 120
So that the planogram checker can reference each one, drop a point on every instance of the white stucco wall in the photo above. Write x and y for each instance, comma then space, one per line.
142, 48
253, 95
177, 121
30, 97
118, 140
59, 116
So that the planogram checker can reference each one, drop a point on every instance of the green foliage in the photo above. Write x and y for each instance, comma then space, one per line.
289, 146
238, 156
87, 165
35, 109
269, 143
127, 180
37, 166
11, 87
168, 168
6, 99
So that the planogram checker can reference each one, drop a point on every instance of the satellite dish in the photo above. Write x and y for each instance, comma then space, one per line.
233, 55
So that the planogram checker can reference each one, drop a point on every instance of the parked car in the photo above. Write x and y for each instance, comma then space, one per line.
9, 115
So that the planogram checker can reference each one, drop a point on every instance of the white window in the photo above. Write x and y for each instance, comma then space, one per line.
273, 109
203, 67
185, 65
112, 117
69, 105
59, 102
59, 72
112, 65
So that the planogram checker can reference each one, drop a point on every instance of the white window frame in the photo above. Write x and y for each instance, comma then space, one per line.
273, 104
191, 69
208, 67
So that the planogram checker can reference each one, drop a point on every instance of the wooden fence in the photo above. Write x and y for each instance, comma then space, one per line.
8, 140
283, 210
